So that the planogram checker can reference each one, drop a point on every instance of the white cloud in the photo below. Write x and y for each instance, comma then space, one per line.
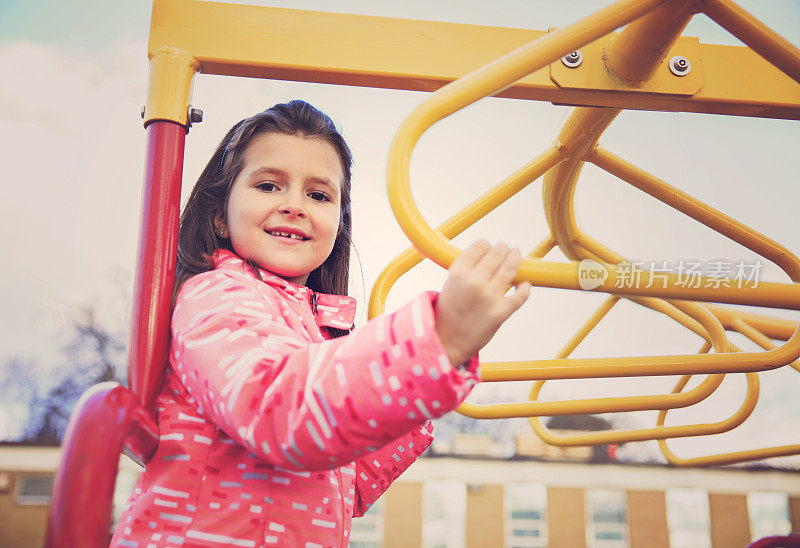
72, 151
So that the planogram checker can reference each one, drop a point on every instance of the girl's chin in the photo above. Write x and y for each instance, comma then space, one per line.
291, 275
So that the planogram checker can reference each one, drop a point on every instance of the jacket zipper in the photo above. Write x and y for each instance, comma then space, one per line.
338, 470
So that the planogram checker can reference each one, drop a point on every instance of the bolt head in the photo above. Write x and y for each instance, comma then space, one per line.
194, 115
572, 59
680, 65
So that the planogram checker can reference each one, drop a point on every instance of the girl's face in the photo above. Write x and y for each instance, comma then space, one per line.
283, 208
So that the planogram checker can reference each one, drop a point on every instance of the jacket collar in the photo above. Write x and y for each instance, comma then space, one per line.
337, 311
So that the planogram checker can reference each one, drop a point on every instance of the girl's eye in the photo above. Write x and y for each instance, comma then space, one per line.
266, 186
319, 196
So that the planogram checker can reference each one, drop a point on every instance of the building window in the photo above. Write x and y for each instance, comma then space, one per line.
444, 514
34, 490
526, 521
688, 518
769, 514
367, 531
607, 518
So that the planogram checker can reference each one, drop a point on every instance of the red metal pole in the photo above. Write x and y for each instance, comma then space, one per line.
155, 270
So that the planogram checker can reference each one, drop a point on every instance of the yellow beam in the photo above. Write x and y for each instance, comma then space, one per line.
254, 41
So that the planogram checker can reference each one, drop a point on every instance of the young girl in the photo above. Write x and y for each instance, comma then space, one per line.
275, 429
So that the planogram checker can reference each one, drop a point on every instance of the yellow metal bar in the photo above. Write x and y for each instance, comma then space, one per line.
759, 338
697, 210
774, 328
308, 46
573, 368
708, 386
623, 404
762, 39
729, 458
721, 458
462, 220
660, 431
592, 405
587, 327
582, 368
598, 405
169, 88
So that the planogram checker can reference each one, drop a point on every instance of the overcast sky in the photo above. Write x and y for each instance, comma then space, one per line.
75, 74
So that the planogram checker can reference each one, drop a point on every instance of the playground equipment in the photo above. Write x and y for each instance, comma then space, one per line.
647, 66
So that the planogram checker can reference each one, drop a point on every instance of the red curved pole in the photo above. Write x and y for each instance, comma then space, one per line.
107, 418
155, 269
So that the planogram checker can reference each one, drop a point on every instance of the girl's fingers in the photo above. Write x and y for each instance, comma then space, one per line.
472, 255
492, 261
507, 269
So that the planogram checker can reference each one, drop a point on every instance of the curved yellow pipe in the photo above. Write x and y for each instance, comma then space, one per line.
658, 433
722, 458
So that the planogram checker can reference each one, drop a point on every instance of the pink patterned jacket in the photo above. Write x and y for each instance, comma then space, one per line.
273, 435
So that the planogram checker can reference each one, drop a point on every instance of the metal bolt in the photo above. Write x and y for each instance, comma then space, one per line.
194, 115
143, 109
680, 66
572, 59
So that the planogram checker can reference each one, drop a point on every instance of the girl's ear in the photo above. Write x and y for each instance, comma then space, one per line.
219, 226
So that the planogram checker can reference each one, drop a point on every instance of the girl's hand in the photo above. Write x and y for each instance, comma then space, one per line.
472, 305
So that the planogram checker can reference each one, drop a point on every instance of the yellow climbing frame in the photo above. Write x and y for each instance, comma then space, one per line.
643, 67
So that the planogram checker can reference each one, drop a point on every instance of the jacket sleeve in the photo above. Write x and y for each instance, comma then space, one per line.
376, 471
304, 405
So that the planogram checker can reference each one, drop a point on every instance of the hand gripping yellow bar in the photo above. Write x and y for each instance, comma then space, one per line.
462, 220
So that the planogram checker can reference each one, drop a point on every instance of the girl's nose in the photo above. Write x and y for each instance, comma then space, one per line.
293, 206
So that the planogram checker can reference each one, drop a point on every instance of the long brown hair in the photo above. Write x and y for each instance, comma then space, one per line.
197, 236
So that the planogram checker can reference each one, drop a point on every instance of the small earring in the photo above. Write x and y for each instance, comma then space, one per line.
222, 232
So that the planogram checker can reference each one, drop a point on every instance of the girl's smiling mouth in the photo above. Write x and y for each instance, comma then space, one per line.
289, 233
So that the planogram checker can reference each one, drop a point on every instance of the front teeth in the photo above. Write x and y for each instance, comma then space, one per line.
286, 235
